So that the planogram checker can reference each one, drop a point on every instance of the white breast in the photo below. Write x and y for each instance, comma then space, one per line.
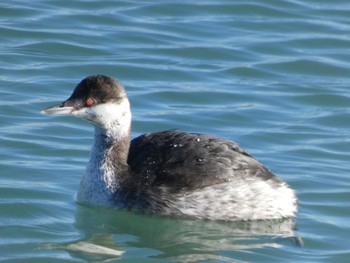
99, 182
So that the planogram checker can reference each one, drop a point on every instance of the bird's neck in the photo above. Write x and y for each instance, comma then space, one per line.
106, 168
110, 149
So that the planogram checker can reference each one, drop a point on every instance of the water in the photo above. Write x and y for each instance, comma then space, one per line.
271, 75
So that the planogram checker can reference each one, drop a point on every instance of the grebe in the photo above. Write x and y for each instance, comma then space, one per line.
169, 172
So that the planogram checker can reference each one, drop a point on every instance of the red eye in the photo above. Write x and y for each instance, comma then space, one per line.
90, 102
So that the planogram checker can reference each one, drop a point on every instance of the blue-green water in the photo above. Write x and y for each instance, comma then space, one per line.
272, 75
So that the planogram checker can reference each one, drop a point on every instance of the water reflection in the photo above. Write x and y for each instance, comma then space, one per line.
107, 231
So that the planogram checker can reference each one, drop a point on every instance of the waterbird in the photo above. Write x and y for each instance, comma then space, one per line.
171, 173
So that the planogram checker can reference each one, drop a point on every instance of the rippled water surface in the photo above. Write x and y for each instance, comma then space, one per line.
272, 75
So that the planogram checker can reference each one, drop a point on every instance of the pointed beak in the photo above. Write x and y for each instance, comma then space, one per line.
64, 108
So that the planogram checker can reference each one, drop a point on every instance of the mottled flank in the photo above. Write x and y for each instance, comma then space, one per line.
169, 172
205, 177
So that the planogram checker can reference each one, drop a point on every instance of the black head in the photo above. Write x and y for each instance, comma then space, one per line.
100, 100
98, 89
91, 91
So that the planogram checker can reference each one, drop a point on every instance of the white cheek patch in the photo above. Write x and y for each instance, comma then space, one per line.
115, 118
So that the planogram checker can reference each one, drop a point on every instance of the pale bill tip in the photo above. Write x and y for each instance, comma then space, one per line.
58, 110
